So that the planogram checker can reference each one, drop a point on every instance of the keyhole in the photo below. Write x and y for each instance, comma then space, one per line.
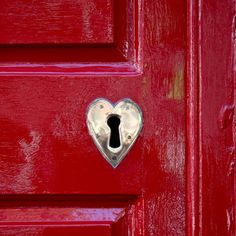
114, 122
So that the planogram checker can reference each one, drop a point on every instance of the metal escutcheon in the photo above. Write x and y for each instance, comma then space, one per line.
114, 127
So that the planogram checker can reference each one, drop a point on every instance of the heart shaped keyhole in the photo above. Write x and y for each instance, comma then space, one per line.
114, 122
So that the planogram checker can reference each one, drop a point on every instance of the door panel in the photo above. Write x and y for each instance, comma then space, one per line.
56, 57
54, 181
49, 144
24, 22
54, 36
85, 215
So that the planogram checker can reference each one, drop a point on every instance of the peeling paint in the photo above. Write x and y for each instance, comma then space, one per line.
23, 180
176, 91
29, 149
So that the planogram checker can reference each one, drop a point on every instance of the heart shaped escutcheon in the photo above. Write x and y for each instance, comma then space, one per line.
114, 127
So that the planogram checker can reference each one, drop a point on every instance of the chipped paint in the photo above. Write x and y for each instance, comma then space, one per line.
22, 180
29, 149
145, 86
176, 91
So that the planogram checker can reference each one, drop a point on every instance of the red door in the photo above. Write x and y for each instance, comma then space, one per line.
172, 58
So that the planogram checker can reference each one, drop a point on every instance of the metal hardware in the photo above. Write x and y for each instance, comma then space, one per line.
114, 127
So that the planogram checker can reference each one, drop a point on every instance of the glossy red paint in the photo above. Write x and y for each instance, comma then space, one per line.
56, 22
210, 106
175, 59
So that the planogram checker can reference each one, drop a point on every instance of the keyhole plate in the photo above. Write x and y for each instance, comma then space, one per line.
131, 121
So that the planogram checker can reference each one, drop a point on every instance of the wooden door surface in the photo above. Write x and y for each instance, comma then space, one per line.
175, 59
